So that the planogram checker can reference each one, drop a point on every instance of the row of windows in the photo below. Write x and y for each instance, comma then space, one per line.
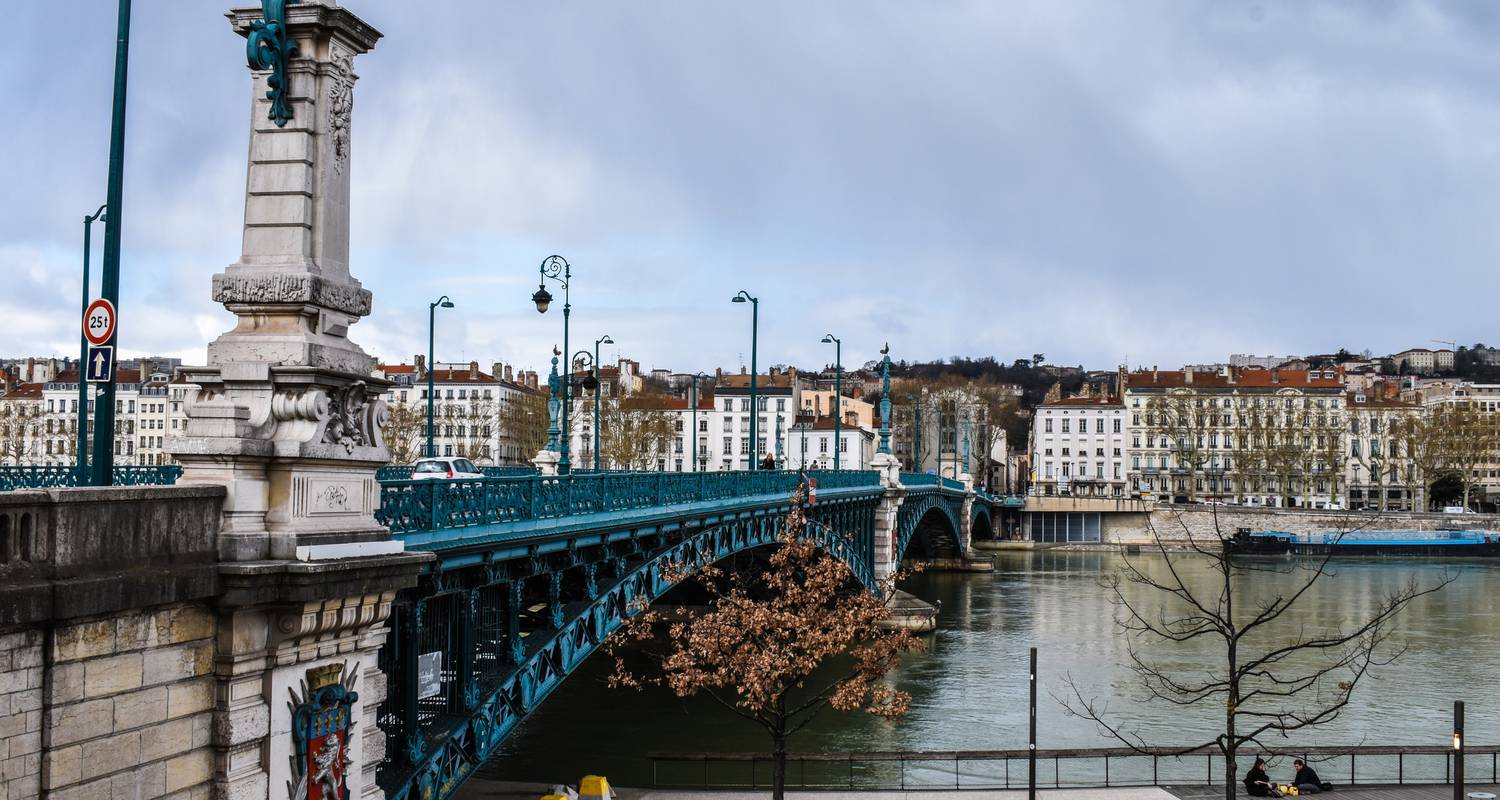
1083, 425
760, 402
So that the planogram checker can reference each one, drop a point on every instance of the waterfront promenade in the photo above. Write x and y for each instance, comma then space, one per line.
503, 790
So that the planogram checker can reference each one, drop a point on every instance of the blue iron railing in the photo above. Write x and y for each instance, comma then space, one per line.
428, 505
60, 476
402, 472
923, 479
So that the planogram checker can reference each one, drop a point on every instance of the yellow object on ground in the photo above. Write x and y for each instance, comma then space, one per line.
554, 797
594, 787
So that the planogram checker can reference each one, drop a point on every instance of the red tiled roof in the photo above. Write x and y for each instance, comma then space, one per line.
25, 391
1374, 400
1237, 378
397, 369
122, 375
461, 376
1098, 400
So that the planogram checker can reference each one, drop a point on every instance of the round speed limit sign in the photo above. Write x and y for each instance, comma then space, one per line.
99, 322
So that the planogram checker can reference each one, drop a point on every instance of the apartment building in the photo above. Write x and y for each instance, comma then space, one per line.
1078, 447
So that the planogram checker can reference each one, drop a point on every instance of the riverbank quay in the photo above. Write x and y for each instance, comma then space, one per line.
479, 789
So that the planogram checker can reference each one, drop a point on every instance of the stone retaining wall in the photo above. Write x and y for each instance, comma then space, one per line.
1176, 522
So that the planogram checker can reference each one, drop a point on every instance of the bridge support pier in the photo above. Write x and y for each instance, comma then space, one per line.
886, 516
288, 419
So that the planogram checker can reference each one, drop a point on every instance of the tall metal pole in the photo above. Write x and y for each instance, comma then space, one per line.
597, 386
742, 297
694, 438
754, 373
82, 447
1031, 740
838, 395
441, 302
564, 464
109, 288
431, 367
1458, 750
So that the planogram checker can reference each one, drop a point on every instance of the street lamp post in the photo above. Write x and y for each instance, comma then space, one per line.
109, 283
966, 443
441, 302
838, 393
916, 452
885, 399
696, 377
83, 357
589, 383
601, 340
744, 296
557, 268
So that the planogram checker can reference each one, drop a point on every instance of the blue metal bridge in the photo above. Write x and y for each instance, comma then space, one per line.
533, 573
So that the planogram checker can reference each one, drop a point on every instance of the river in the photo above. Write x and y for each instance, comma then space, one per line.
969, 689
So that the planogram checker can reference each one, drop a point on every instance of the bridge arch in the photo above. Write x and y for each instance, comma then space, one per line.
492, 677
981, 523
931, 520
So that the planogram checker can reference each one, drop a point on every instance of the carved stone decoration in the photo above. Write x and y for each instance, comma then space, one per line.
340, 105
347, 422
291, 287
322, 728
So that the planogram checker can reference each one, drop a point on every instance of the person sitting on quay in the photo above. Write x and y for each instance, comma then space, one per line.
1258, 783
1307, 780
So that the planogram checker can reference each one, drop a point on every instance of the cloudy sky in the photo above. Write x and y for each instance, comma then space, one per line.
1153, 181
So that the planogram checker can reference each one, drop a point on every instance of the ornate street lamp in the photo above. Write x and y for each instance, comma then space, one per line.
557, 268
838, 393
742, 297
885, 399
441, 302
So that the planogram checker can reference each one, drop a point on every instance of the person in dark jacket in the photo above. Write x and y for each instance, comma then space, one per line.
1306, 780
1258, 783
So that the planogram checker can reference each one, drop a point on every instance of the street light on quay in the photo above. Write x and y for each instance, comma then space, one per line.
601, 340
838, 392
742, 297
558, 269
441, 302
83, 356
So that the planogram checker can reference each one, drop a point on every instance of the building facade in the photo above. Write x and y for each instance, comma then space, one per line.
1078, 447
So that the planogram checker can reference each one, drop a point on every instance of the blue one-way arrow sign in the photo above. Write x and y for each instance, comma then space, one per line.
101, 364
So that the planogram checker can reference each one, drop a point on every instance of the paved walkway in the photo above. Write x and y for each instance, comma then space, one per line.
496, 790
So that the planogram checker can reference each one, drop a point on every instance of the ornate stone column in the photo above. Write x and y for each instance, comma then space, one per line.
887, 514
288, 418
288, 415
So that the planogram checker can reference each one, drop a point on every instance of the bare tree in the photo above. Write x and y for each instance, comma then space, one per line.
470, 425
755, 649
634, 432
1421, 439
406, 433
523, 425
1185, 422
20, 431
1470, 439
1274, 676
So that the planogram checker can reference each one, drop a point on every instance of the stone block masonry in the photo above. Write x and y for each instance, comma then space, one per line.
1175, 523
138, 724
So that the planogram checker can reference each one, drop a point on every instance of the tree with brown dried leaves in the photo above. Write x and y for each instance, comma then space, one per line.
764, 636
1275, 676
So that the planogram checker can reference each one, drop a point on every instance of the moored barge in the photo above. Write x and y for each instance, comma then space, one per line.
1423, 544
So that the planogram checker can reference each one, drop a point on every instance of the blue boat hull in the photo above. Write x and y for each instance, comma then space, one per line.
1287, 545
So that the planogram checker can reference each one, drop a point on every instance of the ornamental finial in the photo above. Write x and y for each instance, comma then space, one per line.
554, 404
270, 46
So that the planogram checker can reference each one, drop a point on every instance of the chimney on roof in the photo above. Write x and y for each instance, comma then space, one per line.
473, 370
1275, 374
421, 362
508, 374
1153, 373
1187, 375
